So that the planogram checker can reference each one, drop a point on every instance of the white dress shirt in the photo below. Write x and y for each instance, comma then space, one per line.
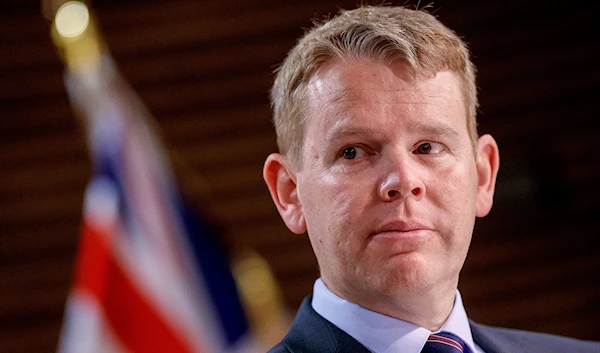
381, 333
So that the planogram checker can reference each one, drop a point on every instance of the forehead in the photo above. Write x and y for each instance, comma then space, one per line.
357, 90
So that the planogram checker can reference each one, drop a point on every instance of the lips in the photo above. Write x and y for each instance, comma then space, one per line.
402, 228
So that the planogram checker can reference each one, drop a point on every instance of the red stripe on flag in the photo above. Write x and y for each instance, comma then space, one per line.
132, 318
93, 263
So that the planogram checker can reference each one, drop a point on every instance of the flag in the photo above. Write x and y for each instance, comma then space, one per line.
149, 277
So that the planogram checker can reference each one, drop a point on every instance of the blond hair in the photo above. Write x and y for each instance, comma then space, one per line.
382, 33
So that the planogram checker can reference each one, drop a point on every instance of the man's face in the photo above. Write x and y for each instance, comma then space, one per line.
388, 188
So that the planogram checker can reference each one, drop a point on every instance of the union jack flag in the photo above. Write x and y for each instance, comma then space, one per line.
149, 277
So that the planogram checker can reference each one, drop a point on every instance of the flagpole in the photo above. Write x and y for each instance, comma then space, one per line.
75, 34
93, 83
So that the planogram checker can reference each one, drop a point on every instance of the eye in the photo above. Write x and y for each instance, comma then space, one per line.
429, 148
349, 153
352, 152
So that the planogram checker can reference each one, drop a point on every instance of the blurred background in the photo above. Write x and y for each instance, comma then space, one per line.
204, 69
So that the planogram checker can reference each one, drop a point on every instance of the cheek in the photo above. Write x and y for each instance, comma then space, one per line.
456, 186
454, 194
334, 211
342, 207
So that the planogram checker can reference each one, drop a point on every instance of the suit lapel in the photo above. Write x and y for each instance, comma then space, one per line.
310, 332
485, 339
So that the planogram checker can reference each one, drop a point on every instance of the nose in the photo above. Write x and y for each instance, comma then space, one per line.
402, 180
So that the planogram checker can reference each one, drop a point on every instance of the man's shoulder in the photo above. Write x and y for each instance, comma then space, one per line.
310, 332
279, 348
493, 339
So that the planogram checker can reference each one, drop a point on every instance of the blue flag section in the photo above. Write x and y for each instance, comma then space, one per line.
217, 276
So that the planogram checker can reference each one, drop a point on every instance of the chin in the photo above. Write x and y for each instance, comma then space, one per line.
412, 276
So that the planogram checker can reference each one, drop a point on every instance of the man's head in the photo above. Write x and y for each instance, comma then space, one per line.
384, 34
380, 162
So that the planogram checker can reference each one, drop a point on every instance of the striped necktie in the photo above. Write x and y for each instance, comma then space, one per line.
445, 342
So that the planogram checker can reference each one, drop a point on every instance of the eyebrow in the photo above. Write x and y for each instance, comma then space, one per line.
439, 128
338, 134
418, 128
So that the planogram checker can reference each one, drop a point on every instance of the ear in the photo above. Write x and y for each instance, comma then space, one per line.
488, 162
281, 180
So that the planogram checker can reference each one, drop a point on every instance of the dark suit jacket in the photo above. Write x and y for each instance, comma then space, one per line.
311, 333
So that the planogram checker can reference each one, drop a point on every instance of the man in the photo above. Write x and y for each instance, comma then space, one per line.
381, 164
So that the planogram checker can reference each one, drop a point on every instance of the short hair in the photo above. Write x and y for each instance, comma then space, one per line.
382, 33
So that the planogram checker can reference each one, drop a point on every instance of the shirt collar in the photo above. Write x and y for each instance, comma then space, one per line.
381, 333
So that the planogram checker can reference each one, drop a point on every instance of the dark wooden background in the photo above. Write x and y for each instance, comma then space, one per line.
204, 69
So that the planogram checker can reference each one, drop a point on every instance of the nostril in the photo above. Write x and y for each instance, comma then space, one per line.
416, 191
392, 193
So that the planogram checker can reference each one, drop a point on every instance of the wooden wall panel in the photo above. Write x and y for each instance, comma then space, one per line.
204, 69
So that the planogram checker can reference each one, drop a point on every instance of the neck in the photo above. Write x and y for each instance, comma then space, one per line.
429, 308
428, 311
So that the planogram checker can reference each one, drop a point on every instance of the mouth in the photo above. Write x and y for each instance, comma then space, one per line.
402, 229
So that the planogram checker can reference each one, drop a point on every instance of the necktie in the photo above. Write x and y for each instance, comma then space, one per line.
445, 342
